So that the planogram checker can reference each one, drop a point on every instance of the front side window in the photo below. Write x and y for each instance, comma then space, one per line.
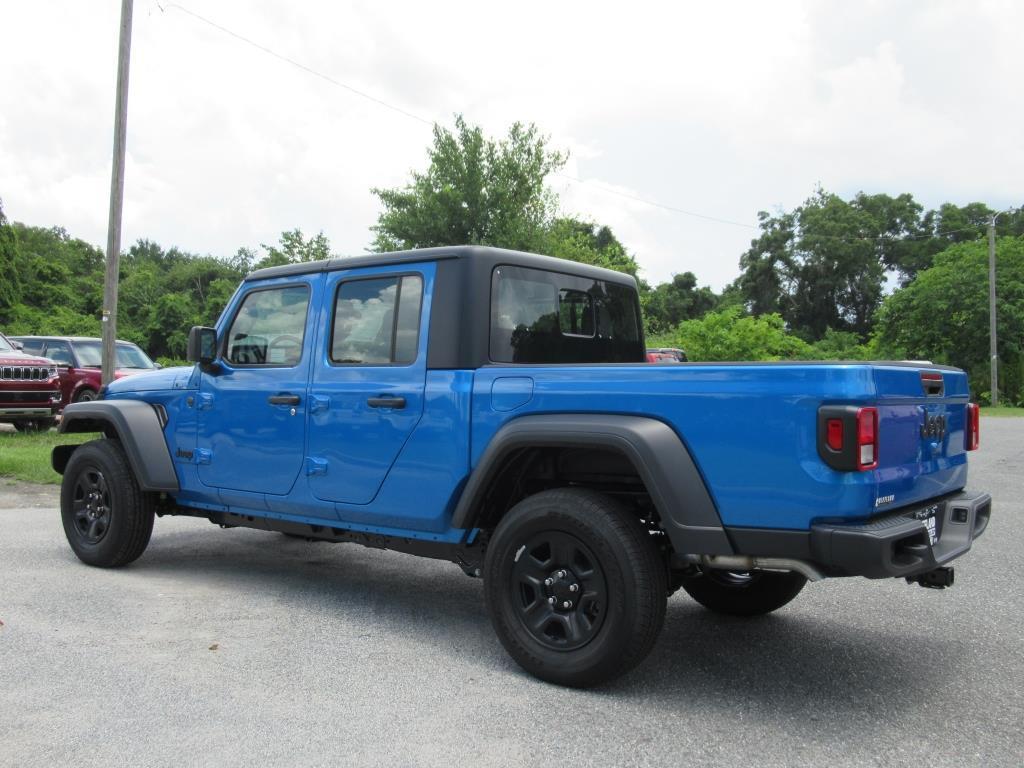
549, 317
269, 327
59, 352
377, 321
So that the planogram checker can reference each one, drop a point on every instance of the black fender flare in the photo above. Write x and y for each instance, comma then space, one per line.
137, 425
688, 513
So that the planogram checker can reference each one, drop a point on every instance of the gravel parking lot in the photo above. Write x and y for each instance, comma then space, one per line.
235, 647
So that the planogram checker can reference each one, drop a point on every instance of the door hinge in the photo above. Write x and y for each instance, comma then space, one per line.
202, 456
318, 403
205, 401
316, 465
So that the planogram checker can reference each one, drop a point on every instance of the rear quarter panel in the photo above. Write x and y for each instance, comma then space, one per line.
751, 429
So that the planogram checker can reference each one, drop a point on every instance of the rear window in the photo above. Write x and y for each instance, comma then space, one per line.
548, 317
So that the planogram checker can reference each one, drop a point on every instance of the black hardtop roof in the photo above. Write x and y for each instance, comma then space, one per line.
479, 253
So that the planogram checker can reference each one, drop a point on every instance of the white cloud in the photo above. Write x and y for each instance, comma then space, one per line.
723, 109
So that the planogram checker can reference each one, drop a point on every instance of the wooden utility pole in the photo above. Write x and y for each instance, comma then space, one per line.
116, 197
993, 354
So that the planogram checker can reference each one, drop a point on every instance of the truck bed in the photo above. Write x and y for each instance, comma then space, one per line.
752, 428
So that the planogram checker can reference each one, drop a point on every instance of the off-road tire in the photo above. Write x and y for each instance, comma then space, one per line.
35, 425
752, 593
616, 634
115, 530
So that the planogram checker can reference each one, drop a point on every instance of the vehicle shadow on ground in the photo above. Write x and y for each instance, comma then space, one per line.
793, 663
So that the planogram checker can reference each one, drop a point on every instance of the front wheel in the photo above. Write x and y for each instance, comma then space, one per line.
107, 519
744, 593
575, 587
35, 425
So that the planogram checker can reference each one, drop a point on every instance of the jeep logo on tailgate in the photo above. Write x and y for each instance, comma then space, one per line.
933, 427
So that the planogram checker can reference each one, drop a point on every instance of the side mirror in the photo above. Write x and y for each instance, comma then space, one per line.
17, 345
202, 345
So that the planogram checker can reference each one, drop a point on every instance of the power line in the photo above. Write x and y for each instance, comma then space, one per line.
567, 177
297, 64
652, 202
425, 121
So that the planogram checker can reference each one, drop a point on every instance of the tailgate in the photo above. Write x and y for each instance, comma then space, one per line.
922, 417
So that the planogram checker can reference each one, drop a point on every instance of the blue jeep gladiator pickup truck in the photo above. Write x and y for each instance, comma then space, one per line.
493, 408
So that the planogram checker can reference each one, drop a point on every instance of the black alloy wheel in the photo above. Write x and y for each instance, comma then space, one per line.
560, 591
91, 506
576, 586
107, 518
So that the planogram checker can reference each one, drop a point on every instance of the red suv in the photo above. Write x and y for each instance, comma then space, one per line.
29, 389
79, 360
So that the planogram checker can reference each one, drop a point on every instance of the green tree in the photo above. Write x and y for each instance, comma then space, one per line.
943, 315
588, 243
823, 265
732, 335
475, 191
60, 276
292, 248
10, 284
669, 304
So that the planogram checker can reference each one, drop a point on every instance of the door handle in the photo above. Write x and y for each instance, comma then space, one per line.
284, 399
386, 402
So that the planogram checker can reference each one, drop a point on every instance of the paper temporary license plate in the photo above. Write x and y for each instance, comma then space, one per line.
930, 517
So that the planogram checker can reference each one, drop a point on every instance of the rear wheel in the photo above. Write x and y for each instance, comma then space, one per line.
575, 587
107, 519
744, 593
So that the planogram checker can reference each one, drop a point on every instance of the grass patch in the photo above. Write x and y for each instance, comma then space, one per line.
1002, 410
26, 455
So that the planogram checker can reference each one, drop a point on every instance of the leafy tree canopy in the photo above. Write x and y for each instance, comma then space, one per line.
475, 191
669, 304
943, 314
824, 264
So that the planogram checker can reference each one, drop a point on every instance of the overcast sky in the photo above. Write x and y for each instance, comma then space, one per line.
722, 109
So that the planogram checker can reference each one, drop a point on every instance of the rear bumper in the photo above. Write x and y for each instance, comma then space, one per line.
907, 542
892, 545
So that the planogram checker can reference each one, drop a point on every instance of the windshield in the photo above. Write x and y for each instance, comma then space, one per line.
5, 346
90, 354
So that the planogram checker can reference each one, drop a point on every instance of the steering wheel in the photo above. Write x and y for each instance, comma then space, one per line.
292, 346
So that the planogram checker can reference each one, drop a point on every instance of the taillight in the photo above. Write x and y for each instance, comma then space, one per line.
835, 434
848, 437
972, 428
867, 438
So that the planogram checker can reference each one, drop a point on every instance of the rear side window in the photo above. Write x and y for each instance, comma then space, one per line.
377, 321
548, 317
269, 327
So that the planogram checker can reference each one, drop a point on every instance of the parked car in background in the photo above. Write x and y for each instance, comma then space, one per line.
79, 360
29, 389
666, 355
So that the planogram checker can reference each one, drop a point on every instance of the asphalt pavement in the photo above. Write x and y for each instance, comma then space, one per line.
239, 648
